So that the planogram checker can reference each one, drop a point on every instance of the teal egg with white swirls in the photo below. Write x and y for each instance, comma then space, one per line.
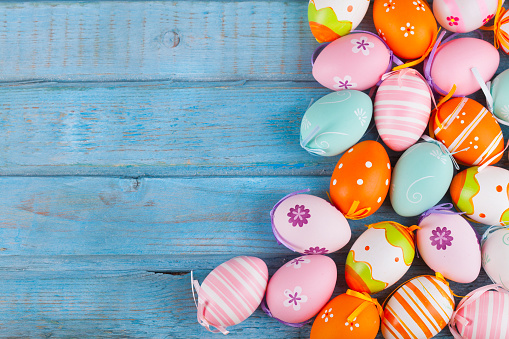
420, 179
499, 92
336, 122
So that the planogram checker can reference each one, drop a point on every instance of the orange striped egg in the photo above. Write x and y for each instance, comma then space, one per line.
420, 308
503, 33
464, 125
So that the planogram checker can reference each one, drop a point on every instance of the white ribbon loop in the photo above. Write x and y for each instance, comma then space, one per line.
444, 149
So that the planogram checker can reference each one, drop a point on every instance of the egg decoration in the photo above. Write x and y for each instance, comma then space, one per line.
232, 292
379, 257
482, 314
449, 245
499, 90
301, 287
331, 19
333, 320
408, 26
495, 251
469, 131
360, 181
402, 109
335, 122
420, 308
502, 35
356, 61
310, 225
463, 16
483, 195
453, 62
420, 179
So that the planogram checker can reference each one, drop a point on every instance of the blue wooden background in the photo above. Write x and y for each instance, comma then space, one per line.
141, 140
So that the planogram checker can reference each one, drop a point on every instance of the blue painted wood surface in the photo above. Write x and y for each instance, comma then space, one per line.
143, 140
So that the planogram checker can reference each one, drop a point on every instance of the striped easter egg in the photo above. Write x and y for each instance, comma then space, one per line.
503, 33
232, 291
402, 109
482, 314
420, 308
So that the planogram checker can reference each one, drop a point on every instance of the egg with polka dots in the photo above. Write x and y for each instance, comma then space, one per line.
360, 181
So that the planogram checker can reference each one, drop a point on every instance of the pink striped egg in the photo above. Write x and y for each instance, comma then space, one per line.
232, 291
482, 314
402, 109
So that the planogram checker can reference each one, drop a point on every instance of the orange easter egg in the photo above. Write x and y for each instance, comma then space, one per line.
464, 125
408, 26
360, 181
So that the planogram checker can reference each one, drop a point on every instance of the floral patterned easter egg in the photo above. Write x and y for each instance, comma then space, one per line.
309, 225
301, 287
463, 16
420, 308
331, 19
420, 179
360, 181
335, 122
464, 125
499, 90
379, 257
355, 61
232, 292
495, 251
408, 26
449, 245
402, 109
332, 321
483, 196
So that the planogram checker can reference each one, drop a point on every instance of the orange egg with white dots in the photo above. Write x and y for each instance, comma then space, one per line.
360, 181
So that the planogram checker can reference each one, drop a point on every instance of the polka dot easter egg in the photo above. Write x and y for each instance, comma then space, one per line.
463, 16
335, 122
495, 251
331, 19
355, 61
408, 26
360, 180
420, 308
379, 257
483, 196
301, 287
333, 320
309, 225
469, 131
499, 90
402, 109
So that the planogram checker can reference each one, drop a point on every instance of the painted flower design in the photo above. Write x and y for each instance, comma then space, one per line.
344, 83
505, 112
353, 324
306, 123
316, 250
362, 45
408, 29
381, 34
297, 262
488, 18
485, 259
420, 5
441, 238
295, 298
439, 155
390, 5
327, 314
361, 114
299, 215
453, 20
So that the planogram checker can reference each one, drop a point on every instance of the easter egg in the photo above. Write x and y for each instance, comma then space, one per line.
449, 245
309, 225
402, 109
332, 321
335, 122
483, 196
495, 251
503, 36
420, 308
331, 19
408, 26
453, 61
379, 257
355, 61
463, 16
360, 181
420, 179
465, 126
499, 90
482, 314
301, 287
232, 291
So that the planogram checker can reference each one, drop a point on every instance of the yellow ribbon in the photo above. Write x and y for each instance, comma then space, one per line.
434, 115
367, 301
355, 215
409, 229
500, 37
421, 59
440, 277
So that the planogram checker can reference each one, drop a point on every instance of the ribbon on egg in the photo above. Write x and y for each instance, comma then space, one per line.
367, 300
409, 229
355, 214
500, 36
444, 149
490, 230
431, 47
439, 209
265, 309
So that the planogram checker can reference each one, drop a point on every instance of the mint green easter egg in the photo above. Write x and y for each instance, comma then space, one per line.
335, 122
499, 92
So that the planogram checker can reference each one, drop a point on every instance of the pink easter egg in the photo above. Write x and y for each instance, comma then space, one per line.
402, 109
449, 245
355, 61
232, 291
301, 287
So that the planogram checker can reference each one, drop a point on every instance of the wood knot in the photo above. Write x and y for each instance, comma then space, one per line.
170, 39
